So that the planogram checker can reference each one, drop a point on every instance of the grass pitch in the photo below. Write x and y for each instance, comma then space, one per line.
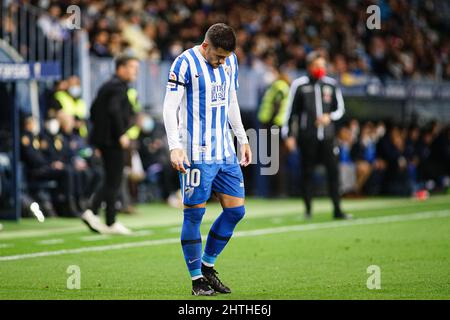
274, 254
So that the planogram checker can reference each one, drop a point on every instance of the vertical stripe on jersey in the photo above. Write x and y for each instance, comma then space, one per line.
192, 109
219, 117
224, 111
236, 71
183, 73
176, 70
206, 130
201, 107
227, 134
211, 129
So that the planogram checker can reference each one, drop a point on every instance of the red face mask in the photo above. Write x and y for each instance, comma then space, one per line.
318, 73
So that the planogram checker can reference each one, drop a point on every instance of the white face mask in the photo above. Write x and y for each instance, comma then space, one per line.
75, 91
380, 131
52, 126
148, 124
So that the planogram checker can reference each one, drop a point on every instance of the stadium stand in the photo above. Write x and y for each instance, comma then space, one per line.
396, 75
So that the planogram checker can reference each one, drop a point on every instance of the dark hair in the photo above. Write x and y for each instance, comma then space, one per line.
221, 36
123, 60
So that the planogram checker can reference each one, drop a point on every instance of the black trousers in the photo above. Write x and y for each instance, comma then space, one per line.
113, 163
312, 152
65, 179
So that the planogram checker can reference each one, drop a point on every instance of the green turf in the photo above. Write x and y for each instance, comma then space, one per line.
323, 260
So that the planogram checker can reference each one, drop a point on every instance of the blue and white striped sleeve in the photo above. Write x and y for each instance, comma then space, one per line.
178, 79
234, 113
179, 75
235, 69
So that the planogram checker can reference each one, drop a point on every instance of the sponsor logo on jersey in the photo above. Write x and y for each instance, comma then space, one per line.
217, 92
189, 191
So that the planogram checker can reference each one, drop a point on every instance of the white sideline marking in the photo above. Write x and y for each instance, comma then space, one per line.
95, 237
171, 219
174, 230
141, 233
247, 233
50, 241
100, 237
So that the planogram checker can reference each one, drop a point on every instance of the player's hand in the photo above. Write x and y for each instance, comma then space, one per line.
178, 158
124, 141
291, 144
323, 120
246, 152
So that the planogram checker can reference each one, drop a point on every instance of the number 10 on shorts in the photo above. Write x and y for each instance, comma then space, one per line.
192, 177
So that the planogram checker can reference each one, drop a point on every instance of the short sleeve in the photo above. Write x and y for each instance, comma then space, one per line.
179, 74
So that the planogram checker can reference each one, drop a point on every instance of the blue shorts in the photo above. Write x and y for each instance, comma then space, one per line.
202, 178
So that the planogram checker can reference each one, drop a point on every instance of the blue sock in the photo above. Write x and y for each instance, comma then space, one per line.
221, 231
191, 240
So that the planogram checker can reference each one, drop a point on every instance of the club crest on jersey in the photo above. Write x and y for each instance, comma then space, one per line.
227, 69
327, 91
217, 92
189, 191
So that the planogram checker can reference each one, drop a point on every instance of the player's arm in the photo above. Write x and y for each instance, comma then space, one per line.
234, 116
235, 120
116, 116
172, 100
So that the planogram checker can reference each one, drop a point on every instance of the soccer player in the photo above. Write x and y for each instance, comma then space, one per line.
200, 102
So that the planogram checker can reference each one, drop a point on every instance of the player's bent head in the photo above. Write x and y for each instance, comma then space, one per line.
127, 68
220, 42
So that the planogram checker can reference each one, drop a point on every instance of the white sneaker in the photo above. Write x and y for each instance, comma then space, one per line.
34, 207
93, 221
117, 228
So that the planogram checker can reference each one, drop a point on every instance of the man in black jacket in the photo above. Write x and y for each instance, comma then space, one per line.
111, 116
314, 103
41, 168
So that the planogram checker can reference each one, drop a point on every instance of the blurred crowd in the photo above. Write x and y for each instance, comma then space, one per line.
381, 157
61, 170
413, 42
376, 158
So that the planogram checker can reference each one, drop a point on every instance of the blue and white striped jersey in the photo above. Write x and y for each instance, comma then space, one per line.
207, 103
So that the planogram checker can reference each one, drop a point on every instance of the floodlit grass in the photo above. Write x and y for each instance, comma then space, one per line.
275, 254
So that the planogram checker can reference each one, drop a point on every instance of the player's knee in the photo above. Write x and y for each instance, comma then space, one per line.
194, 215
235, 214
